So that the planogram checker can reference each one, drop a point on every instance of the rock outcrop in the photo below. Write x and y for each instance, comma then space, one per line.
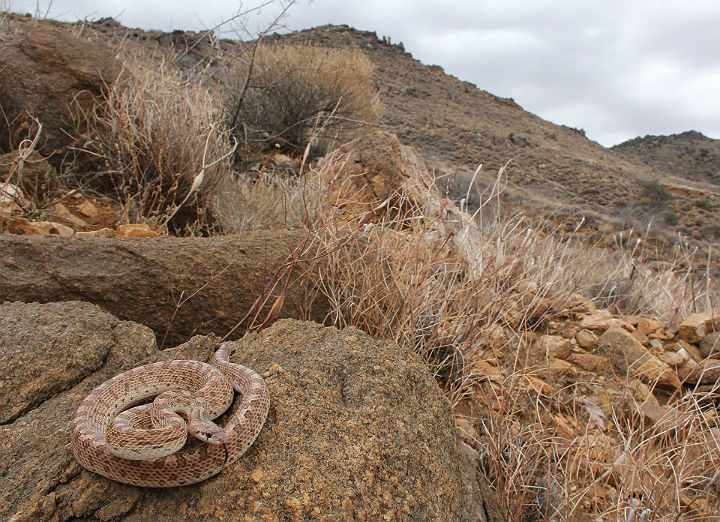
357, 429
176, 286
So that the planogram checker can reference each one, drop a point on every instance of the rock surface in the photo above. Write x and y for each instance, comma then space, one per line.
357, 428
180, 286
43, 72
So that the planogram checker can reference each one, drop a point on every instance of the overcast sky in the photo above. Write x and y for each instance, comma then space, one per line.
616, 68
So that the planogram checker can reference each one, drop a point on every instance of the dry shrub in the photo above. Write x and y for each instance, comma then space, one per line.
163, 146
412, 278
297, 94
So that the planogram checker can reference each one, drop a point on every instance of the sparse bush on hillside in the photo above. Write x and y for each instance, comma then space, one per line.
292, 94
163, 146
654, 193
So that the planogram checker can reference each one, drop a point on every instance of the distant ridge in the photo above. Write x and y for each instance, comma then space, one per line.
690, 155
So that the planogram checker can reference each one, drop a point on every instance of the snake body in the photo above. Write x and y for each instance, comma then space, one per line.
137, 447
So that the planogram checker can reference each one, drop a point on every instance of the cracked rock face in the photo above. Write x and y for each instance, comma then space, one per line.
357, 428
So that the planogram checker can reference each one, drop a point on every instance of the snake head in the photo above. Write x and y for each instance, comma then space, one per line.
208, 432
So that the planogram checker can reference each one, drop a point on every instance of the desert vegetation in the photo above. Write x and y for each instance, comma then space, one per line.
198, 152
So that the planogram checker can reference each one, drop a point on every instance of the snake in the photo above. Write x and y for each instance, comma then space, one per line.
118, 434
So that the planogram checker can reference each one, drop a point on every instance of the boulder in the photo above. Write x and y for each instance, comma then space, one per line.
176, 286
46, 72
357, 428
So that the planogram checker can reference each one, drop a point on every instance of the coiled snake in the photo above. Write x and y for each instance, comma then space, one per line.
139, 446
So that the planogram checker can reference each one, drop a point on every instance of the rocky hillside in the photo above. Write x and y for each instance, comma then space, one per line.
459, 368
690, 155
552, 168
669, 182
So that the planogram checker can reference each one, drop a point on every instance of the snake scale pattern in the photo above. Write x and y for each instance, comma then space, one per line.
135, 463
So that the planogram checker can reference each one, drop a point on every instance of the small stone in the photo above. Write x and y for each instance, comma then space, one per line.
602, 320
10, 193
686, 370
581, 304
693, 350
710, 345
642, 392
590, 362
87, 209
490, 371
553, 346
656, 344
697, 326
62, 212
560, 367
586, 339
135, 230
103, 232
623, 349
9, 208
568, 333
466, 429
706, 372
257, 475
47, 228
538, 386
647, 326
674, 359
654, 371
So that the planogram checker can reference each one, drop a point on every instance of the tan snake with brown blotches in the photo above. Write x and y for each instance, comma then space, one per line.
139, 446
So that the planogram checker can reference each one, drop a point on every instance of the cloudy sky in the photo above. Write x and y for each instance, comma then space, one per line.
616, 68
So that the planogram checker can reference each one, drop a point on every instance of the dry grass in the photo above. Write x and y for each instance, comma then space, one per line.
163, 146
616, 465
267, 200
402, 277
295, 95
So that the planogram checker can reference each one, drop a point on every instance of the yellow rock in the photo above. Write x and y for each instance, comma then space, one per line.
135, 230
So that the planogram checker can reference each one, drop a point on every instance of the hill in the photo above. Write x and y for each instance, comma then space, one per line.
195, 194
552, 169
690, 155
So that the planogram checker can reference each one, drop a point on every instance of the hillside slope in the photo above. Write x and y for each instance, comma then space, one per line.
669, 182
553, 168
690, 155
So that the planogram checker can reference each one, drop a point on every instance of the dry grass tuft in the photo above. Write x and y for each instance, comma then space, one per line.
268, 200
163, 146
